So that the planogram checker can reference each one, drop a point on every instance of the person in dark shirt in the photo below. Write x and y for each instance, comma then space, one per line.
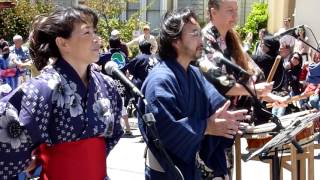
3, 44
117, 54
140, 66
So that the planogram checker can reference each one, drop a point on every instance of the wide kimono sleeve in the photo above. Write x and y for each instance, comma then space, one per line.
24, 117
212, 150
109, 88
180, 134
221, 80
117, 131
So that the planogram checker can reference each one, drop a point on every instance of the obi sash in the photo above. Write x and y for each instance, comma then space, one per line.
10, 72
80, 160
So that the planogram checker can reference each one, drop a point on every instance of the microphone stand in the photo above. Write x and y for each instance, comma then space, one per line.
307, 44
149, 121
275, 158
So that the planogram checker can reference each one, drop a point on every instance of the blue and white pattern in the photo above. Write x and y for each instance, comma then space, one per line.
11, 131
53, 108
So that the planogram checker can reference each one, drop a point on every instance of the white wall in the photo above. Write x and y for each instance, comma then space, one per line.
308, 12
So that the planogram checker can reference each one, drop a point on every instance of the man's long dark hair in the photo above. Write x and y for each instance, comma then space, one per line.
171, 29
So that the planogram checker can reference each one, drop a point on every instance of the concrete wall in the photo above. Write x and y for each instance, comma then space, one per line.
307, 13
279, 9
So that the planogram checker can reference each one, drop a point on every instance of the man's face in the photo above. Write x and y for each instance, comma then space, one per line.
286, 23
18, 43
190, 43
146, 31
226, 17
284, 50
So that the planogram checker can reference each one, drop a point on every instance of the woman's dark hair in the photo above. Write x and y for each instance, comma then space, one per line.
304, 31
299, 58
170, 30
59, 23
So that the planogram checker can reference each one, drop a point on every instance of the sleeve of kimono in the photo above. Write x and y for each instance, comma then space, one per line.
24, 118
213, 147
117, 132
221, 80
180, 135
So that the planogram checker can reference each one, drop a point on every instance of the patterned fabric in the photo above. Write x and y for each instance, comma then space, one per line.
53, 108
212, 43
181, 100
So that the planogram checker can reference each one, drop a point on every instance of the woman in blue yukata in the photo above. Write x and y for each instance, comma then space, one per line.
68, 117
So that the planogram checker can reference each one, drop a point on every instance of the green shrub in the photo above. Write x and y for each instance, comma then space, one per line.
256, 20
18, 20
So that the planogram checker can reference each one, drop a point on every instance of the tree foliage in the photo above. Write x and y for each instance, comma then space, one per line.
18, 20
256, 20
109, 12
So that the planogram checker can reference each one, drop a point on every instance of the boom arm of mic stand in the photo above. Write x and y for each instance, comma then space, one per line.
150, 121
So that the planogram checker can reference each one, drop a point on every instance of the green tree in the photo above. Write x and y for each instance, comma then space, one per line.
18, 20
256, 20
109, 12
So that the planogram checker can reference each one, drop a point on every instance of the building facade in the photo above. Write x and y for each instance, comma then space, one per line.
157, 8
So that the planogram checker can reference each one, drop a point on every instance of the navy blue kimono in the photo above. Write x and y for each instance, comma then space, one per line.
181, 101
53, 108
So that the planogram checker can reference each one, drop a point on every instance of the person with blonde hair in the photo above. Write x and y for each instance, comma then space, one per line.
146, 36
219, 37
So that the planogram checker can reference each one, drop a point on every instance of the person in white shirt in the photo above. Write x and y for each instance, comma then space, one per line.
146, 36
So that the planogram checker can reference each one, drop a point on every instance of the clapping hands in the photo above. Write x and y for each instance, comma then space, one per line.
225, 123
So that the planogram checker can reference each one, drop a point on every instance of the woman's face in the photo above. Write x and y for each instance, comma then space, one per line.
295, 60
301, 32
84, 43
261, 35
226, 17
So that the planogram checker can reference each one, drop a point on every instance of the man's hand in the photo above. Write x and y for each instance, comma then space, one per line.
225, 123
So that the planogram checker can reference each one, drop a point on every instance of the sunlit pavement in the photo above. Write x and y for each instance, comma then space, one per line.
126, 161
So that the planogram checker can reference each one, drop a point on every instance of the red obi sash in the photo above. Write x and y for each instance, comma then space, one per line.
81, 160
10, 72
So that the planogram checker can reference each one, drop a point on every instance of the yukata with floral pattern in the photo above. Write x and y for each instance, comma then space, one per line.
54, 108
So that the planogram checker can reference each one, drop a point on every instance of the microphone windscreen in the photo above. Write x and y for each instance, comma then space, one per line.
109, 67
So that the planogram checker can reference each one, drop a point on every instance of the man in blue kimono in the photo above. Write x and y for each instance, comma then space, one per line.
185, 105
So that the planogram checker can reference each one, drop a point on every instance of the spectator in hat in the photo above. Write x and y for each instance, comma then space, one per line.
115, 36
146, 36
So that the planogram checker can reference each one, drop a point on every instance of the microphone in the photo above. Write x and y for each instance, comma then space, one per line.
111, 69
290, 32
219, 58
